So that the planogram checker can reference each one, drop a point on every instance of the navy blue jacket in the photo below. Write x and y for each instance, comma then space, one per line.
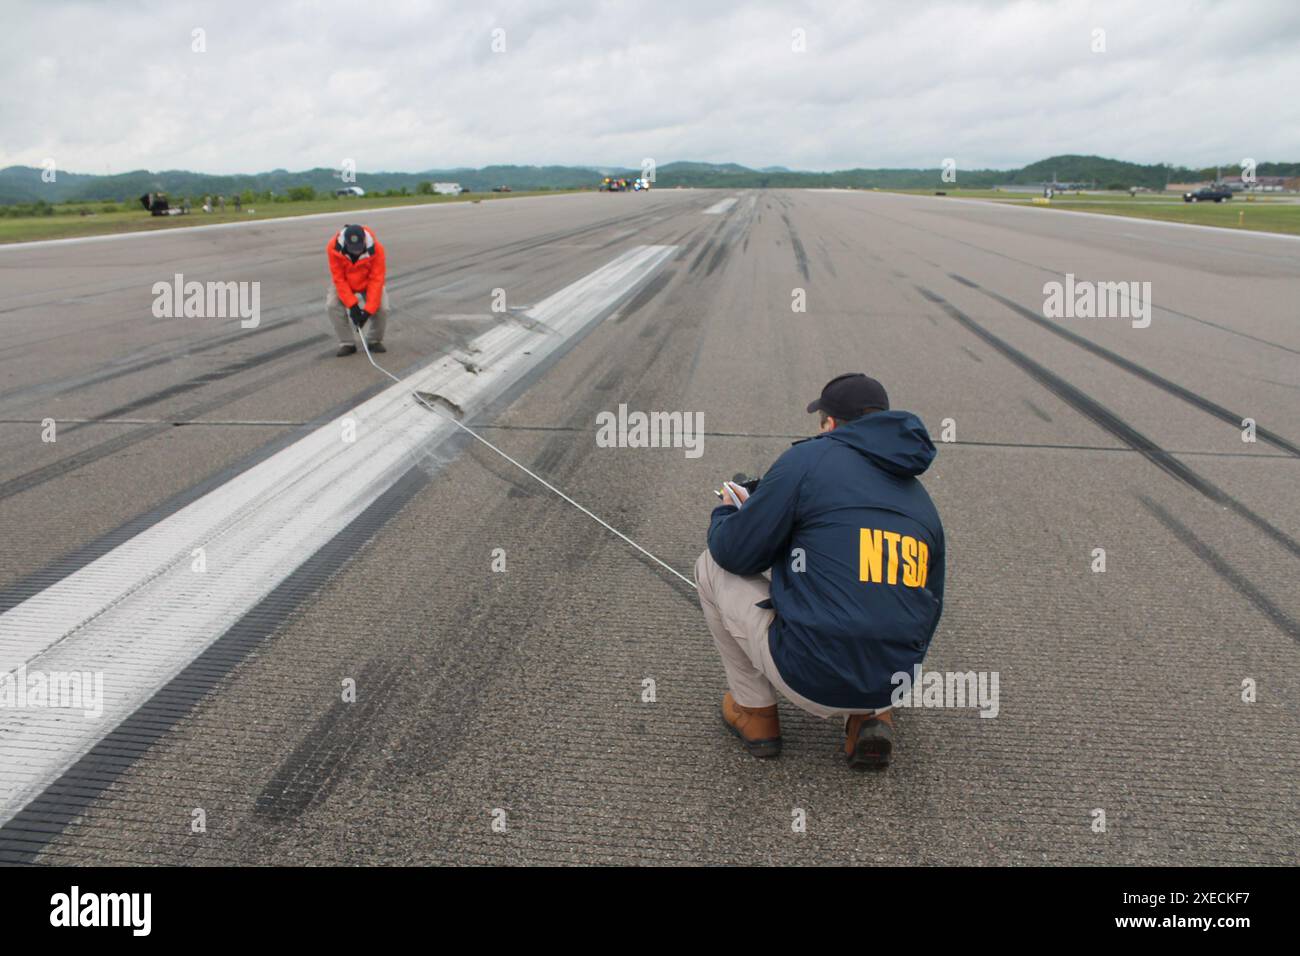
847, 508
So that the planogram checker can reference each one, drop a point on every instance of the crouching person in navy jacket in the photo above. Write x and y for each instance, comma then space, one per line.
855, 551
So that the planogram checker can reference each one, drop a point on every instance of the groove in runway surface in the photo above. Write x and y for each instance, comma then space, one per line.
37, 581
31, 829
399, 281
1159, 381
1239, 582
179, 423
72, 383
1104, 417
139, 614
974, 443
307, 776
111, 446
129, 824
1058, 273
207, 378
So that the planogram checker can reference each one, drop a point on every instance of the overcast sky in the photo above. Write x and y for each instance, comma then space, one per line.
109, 87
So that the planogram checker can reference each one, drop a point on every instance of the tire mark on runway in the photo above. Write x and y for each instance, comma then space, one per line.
520, 247
586, 315
1097, 413
688, 248
648, 292
25, 587
399, 281
826, 259
33, 828
308, 775
294, 313
719, 255
12, 595
111, 446
225, 371
609, 380
77, 382
1036, 410
1057, 273
1128, 365
736, 227
704, 251
800, 256
1051, 446
1240, 583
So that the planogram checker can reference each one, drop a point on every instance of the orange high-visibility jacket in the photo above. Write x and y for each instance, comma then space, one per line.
366, 275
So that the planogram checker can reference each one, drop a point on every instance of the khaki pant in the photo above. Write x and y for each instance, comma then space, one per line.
343, 327
739, 628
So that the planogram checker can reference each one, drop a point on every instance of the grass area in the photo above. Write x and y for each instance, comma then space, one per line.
1260, 214
66, 222
1252, 217
1091, 197
957, 193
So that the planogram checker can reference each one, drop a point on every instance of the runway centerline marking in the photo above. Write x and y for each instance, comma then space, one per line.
141, 613
721, 206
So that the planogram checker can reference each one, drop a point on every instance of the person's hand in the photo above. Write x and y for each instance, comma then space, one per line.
734, 494
358, 315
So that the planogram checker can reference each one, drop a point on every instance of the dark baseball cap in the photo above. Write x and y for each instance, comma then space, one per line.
354, 239
847, 396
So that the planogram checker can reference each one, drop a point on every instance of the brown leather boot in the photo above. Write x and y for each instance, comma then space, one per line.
758, 728
869, 740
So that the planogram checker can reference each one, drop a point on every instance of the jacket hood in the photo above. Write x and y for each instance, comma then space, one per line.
895, 441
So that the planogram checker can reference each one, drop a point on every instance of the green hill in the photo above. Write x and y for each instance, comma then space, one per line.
23, 184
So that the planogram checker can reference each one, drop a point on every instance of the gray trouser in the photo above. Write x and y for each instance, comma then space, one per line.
739, 628
343, 327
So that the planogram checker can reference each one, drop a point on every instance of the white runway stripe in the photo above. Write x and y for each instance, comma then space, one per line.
721, 206
140, 613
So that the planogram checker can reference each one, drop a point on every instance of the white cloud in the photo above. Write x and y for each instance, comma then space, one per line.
414, 86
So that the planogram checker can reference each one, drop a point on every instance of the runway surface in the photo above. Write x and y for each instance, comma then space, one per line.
351, 677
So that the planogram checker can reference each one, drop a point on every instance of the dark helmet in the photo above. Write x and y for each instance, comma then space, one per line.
354, 240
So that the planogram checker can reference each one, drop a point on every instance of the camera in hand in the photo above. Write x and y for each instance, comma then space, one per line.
749, 484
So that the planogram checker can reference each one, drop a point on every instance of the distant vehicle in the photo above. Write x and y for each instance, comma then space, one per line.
447, 189
1216, 193
641, 184
501, 189
350, 191
612, 184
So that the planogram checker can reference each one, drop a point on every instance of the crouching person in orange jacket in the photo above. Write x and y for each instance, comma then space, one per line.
357, 295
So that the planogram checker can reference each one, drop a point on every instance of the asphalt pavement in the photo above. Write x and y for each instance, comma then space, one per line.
473, 671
